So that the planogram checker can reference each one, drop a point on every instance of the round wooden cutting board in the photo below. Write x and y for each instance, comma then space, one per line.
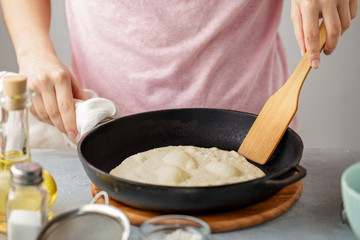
226, 221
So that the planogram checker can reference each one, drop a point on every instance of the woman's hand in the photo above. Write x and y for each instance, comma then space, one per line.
28, 23
55, 88
337, 16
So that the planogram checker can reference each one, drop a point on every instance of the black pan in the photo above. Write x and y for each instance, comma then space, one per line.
105, 147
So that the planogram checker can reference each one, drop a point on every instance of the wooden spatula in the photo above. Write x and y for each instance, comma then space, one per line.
277, 113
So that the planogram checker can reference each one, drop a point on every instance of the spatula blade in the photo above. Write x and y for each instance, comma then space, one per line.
268, 128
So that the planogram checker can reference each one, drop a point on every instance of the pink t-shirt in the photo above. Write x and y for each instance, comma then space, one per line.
149, 55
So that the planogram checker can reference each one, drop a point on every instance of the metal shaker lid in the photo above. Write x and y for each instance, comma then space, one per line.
26, 173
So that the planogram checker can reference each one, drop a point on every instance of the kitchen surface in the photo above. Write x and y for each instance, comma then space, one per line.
316, 215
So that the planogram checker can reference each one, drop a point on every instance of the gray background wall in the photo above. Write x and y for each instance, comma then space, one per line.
329, 109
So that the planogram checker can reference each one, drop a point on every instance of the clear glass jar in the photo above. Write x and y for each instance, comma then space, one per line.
15, 146
27, 202
174, 227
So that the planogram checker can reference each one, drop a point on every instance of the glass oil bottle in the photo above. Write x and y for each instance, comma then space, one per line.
15, 102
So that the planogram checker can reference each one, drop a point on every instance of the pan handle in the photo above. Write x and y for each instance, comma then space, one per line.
301, 172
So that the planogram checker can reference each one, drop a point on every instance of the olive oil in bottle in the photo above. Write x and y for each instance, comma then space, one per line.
15, 102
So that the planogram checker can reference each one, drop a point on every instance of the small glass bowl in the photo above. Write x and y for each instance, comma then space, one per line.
174, 227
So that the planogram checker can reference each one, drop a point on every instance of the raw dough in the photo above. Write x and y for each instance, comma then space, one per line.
187, 166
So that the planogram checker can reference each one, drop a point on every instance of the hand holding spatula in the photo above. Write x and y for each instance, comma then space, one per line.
277, 113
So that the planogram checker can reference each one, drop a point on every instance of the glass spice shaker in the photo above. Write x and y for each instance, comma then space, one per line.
27, 202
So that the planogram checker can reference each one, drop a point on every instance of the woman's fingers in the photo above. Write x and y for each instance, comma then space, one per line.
333, 29
77, 90
38, 109
53, 101
345, 16
310, 17
354, 6
46, 90
66, 107
336, 14
298, 26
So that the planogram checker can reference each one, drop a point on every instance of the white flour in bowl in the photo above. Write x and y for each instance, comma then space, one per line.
180, 234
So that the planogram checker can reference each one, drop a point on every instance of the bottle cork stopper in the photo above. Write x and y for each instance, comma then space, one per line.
14, 85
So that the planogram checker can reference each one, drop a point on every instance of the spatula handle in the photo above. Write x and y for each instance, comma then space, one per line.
300, 73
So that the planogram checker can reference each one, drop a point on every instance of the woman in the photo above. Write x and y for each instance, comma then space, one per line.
148, 55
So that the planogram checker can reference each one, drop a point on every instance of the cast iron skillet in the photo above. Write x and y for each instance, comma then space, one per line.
105, 147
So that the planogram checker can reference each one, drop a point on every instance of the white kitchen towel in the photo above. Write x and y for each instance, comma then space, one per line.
89, 113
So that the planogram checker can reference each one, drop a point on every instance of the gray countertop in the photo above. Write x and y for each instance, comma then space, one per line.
315, 216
